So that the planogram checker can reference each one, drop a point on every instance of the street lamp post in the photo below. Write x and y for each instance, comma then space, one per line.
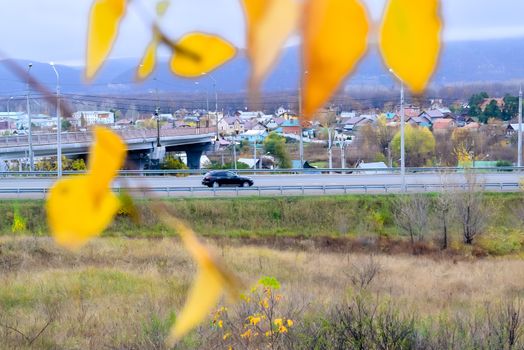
301, 151
157, 117
8, 107
216, 100
30, 136
58, 124
235, 147
519, 153
255, 153
402, 144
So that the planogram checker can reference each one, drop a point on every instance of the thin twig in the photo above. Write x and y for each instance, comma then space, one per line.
41, 331
20, 72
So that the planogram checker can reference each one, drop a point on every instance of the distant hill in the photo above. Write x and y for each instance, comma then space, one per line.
461, 63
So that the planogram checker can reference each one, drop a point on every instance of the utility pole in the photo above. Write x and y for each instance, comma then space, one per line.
330, 151
255, 154
342, 155
519, 160
58, 125
402, 144
30, 136
216, 101
235, 149
301, 146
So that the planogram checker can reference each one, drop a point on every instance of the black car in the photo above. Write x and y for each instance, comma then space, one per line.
225, 178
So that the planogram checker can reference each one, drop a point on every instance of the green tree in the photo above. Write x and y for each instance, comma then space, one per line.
492, 110
474, 103
173, 163
511, 107
275, 145
419, 146
66, 124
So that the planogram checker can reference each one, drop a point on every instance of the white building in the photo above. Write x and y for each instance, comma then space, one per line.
374, 168
86, 118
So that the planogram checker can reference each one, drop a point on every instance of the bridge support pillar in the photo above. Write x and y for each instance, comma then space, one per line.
193, 157
3, 165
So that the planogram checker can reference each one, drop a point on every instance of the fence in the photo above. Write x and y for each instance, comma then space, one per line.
274, 190
334, 171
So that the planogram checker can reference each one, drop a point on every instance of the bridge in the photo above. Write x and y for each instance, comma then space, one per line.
140, 144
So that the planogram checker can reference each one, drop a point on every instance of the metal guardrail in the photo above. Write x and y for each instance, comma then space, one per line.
284, 190
185, 172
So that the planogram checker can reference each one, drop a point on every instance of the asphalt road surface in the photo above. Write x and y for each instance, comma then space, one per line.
13, 183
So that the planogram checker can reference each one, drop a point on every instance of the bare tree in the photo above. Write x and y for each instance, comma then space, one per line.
470, 208
412, 215
444, 211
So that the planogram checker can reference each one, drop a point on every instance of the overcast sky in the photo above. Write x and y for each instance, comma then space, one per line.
55, 30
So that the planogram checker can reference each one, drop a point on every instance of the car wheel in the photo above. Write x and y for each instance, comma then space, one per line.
245, 184
216, 184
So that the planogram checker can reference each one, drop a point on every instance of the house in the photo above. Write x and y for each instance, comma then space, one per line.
347, 115
432, 114
422, 120
472, 126
7, 125
411, 111
444, 124
249, 115
86, 118
223, 126
267, 162
234, 126
513, 128
253, 136
291, 126
281, 111
374, 168
352, 124
500, 103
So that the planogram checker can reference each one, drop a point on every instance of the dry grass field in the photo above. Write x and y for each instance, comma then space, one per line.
119, 293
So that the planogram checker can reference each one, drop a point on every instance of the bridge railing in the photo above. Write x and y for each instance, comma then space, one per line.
86, 137
275, 190
320, 171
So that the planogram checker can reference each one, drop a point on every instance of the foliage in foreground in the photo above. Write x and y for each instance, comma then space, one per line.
354, 218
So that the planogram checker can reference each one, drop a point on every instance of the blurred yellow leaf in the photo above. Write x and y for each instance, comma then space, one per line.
203, 296
335, 39
162, 7
211, 281
269, 24
410, 40
106, 157
211, 51
80, 208
148, 63
104, 21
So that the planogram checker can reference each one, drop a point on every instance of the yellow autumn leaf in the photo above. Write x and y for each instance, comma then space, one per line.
80, 208
104, 22
106, 157
410, 40
203, 296
334, 40
211, 282
269, 24
162, 7
148, 63
208, 53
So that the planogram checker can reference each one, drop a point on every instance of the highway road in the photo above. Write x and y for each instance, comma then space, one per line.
281, 180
